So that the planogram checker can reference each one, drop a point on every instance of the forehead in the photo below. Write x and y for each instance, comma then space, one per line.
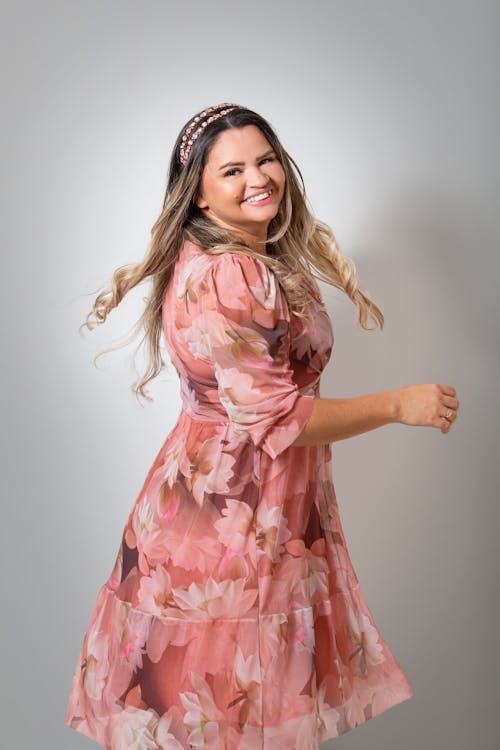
237, 142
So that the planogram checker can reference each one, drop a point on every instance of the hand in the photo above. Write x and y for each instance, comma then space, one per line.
427, 405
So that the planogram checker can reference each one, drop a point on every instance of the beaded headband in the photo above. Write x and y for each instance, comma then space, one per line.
188, 139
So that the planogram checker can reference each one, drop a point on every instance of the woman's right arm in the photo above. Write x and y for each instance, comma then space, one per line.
423, 405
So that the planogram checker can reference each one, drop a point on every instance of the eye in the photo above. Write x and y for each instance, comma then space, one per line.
235, 169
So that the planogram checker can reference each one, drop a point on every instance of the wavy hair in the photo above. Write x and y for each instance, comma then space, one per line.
298, 244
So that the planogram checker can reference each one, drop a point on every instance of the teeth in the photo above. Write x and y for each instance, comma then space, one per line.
260, 197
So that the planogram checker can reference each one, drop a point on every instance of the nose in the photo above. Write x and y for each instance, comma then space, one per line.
258, 178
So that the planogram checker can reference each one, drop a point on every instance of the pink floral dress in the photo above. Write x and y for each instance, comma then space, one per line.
233, 618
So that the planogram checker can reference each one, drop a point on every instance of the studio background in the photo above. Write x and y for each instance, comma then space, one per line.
391, 110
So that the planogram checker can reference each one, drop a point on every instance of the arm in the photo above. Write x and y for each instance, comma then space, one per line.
339, 418
246, 324
424, 404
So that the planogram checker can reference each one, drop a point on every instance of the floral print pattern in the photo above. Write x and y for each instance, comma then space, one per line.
233, 618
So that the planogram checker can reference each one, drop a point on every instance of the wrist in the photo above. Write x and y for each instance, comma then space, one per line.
394, 405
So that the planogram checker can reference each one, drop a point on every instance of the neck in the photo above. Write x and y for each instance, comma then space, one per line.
257, 244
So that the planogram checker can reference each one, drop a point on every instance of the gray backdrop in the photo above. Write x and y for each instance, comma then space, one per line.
391, 110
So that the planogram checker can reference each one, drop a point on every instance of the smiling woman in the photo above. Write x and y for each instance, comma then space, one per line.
232, 618
230, 197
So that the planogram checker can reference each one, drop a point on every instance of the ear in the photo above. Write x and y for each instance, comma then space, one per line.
200, 201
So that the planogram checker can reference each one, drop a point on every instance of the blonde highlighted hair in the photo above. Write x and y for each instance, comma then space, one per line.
298, 244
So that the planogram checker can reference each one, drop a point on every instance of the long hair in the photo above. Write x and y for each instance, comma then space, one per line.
298, 244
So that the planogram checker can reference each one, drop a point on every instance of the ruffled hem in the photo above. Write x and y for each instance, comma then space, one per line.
273, 742
291, 679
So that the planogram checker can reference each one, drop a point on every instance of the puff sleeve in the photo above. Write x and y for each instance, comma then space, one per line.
247, 328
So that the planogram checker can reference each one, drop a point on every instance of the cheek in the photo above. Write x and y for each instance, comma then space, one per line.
228, 195
278, 175
234, 196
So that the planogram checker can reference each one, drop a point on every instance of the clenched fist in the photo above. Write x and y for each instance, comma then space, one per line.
427, 405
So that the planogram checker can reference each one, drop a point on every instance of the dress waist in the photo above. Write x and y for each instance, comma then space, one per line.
199, 406
205, 415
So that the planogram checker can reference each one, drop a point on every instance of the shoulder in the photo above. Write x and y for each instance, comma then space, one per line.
243, 268
237, 284
245, 277
244, 288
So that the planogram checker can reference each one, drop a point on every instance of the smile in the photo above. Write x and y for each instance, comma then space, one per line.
259, 198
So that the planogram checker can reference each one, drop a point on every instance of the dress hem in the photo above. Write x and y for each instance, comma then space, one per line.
325, 738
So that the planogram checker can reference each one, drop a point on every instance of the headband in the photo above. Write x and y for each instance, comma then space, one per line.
185, 148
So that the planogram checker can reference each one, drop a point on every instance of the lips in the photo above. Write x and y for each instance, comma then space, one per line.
261, 192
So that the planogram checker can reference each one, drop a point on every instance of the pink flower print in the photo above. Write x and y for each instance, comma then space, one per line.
307, 571
133, 636
163, 496
190, 279
198, 552
203, 719
138, 729
305, 732
211, 470
169, 729
189, 396
247, 347
168, 502
233, 565
128, 644
114, 579
327, 506
308, 345
174, 451
95, 665
237, 392
134, 697
155, 591
298, 732
271, 531
195, 337
297, 628
143, 532
235, 528
324, 467
246, 284
247, 682
188, 540
250, 738
213, 599
354, 710
303, 345
328, 717
368, 650
344, 577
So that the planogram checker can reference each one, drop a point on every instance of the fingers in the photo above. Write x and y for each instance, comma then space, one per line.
450, 408
445, 426
450, 415
449, 411
447, 390
446, 419
450, 401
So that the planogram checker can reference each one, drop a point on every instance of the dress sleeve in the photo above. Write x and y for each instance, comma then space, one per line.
247, 328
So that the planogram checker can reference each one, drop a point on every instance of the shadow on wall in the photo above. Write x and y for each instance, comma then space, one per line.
430, 263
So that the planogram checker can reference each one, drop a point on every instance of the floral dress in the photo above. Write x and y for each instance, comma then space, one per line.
233, 618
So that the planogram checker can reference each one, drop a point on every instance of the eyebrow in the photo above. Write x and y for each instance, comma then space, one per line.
240, 163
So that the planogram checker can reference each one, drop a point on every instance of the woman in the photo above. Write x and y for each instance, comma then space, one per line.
233, 617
